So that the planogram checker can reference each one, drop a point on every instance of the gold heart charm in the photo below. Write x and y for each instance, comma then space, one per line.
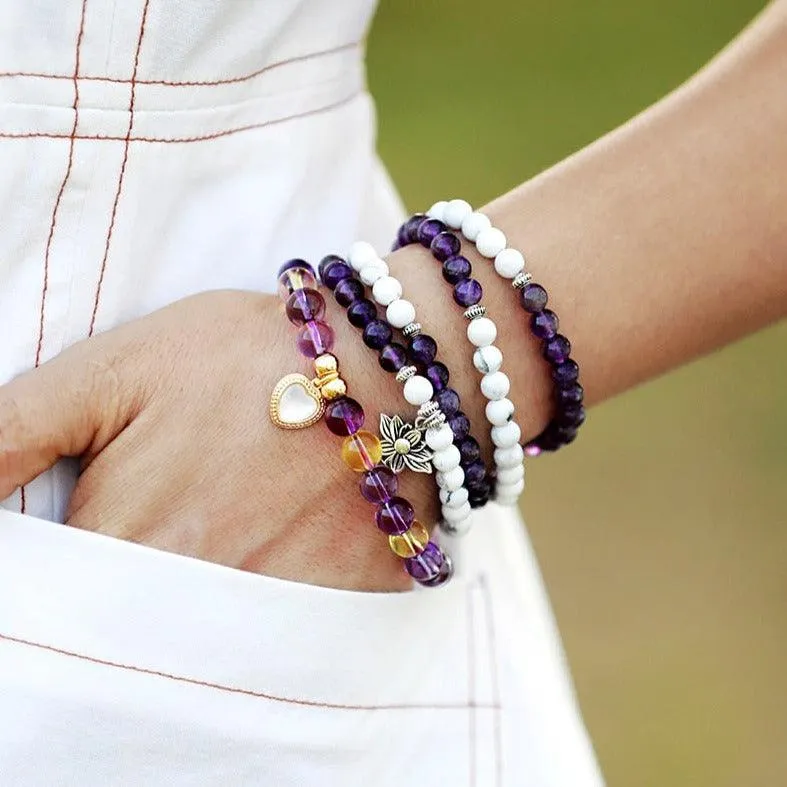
296, 403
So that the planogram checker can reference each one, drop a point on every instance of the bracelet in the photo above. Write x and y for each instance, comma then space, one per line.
298, 402
487, 358
544, 324
456, 456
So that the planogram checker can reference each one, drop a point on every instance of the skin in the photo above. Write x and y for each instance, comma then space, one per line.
660, 242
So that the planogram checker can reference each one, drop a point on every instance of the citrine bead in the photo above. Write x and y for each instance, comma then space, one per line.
410, 543
362, 451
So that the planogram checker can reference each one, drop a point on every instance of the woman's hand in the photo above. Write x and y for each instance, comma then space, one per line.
169, 415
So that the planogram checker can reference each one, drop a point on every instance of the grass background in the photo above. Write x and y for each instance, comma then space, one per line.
665, 550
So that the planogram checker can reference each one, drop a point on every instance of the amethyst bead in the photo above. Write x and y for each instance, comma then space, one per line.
557, 349
460, 426
438, 375
393, 357
296, 263
348, 291
457, 268
533, 298
566, 373
449, 402
335, 272
572, 394
544, 324
361, 312
377, 334
305, 305
467, 292
421, 349
408, 232
428, 230
445, 245
395, 516
379, 485
571, 415
315, 338
344, 416
469, 451
443, 575
475, 475
326, 261
426, 566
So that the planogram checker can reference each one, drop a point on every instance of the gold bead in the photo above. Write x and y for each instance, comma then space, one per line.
362, 451
333, 389
325, 364
410, 543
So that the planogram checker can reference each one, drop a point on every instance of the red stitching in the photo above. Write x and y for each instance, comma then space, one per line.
235, 689
122, 174
194, 83
180, 140
490, 623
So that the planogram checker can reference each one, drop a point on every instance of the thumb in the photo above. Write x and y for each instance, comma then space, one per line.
73, 405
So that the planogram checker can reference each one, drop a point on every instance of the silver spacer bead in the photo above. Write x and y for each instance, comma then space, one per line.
474, 312
521, 279
413, 329
405, 373
429, 416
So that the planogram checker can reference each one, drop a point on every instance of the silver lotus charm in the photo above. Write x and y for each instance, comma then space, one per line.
403, 446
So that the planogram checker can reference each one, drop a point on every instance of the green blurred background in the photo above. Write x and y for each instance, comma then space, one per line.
666, 550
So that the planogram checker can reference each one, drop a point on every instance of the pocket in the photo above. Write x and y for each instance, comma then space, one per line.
121, 664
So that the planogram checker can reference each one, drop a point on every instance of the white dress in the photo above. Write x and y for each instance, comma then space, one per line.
151, 149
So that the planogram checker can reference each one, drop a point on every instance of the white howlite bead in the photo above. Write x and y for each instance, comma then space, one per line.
510, 475
487, 359
437, 211
495, 385
481, 332
509, 457
440, 438
457, 529
456, 211
499, 411
509, 491
446, 459
456, 515
386, 290
418, 390
453, 479
504, 436
361, 253
509, 262
373, 271
474, 224
490, 242
400, 313
454, 499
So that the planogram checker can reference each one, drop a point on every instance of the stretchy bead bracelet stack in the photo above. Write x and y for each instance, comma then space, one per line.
298, 402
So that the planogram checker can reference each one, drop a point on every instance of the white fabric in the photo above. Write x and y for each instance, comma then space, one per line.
210, 141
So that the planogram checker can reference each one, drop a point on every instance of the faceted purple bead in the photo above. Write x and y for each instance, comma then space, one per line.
344, 416
571, 415
293, 279
315, 338
393, 357
566, 434
421, 349
469, 451
326, 261
572, 394
566, 373
296, 263
438, 375
377, 334
426, 566
335, 272
428, 230
445, 245
443, 575
478, 486
348, 291
361, 312
557, 349
544, 324
395, 516
449, 401
460, 425
408, 232
533, 298
379, 485
305, 305
457, 268
468, 292
481, 499
475, 474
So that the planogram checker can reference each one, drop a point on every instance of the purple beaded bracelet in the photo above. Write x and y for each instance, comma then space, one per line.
543, 324
305, 307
